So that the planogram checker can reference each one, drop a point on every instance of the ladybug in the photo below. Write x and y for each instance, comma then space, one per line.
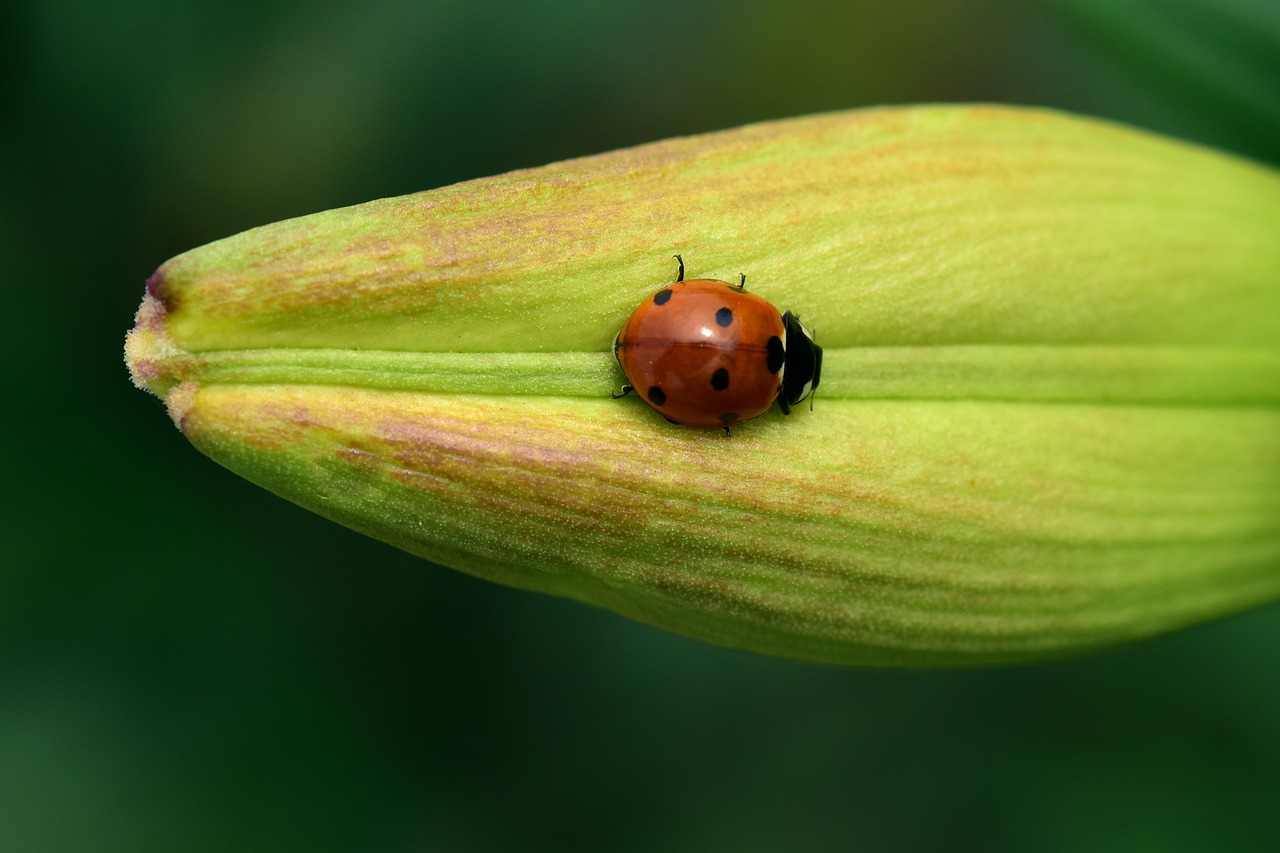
705, 353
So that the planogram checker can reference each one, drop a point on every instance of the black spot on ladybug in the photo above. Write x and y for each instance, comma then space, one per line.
729, 417
661, 297
777, 354
657, 396
724, 317
720, 379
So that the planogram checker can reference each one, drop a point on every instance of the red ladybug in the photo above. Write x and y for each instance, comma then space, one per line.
706, 353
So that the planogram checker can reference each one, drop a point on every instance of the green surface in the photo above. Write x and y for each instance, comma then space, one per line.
187, 662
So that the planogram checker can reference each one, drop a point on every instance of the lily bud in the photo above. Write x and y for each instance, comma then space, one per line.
1049, 415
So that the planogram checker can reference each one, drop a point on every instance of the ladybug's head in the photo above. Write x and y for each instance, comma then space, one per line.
803, 364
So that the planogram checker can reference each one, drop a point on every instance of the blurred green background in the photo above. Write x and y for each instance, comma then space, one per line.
189, 663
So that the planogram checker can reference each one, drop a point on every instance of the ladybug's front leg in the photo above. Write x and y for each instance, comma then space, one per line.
626, 389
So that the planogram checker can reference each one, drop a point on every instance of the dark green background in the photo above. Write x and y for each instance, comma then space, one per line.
189, 663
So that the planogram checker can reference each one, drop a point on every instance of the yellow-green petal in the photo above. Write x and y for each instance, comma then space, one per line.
1049, 418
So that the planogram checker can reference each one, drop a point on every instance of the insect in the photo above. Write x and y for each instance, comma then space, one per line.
708, 354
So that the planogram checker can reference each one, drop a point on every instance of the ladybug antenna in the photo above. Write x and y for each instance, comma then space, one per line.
679, 275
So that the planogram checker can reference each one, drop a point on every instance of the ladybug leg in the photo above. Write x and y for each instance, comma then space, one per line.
727, 434
680, 275
626, 389
742, 284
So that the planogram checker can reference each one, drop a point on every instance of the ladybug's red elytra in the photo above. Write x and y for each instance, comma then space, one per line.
705, 353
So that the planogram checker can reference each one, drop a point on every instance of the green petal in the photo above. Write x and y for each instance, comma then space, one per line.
1049, 418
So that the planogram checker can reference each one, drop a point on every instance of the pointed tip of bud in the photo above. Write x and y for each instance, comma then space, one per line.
158, 288
148, 346
179, 402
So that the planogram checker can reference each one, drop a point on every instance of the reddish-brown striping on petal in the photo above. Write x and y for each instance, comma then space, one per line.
158, 289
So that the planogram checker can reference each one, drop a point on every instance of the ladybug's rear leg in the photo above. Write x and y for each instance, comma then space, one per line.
626, 389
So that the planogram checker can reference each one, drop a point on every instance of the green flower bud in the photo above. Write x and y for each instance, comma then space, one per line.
1049, 417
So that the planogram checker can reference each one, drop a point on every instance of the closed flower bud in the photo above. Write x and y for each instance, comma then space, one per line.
1048, 419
